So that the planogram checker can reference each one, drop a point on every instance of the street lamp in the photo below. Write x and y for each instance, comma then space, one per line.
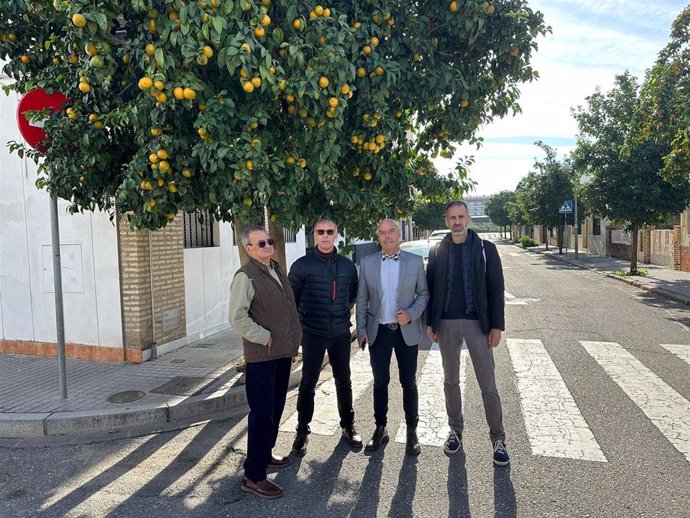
568, 169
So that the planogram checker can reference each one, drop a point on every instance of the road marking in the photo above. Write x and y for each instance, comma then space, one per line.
554, 424
326, 419
668, 410
682, 351
512, 300
433, 429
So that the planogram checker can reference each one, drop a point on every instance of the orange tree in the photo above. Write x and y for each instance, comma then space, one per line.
235, 105
664, 103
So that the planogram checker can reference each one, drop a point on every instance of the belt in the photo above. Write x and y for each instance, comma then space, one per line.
392, 326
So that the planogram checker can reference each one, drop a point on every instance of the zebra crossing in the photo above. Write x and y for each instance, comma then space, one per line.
554, 424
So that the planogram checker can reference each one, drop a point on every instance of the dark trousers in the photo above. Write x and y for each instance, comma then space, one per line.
266, 386
380, 353
314, 348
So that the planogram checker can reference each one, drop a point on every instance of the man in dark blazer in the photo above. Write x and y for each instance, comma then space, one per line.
391, 298
467, 303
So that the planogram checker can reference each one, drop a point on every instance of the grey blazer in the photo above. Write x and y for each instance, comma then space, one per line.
413, 296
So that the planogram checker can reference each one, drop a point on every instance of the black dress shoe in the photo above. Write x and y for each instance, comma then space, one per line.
352, 437
278, 462
265, 488
380, 437
299, 445
412, 447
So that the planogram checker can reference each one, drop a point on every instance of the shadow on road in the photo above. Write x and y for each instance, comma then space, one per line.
505, 504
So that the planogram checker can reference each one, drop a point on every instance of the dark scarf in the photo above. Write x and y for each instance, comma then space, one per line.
467, 277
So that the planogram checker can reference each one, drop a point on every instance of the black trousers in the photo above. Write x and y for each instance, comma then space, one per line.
380, 352
314, 348
266, 386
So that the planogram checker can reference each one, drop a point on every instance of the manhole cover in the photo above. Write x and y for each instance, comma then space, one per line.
202, 345
4, 477
177, 360
126, 397
184, 386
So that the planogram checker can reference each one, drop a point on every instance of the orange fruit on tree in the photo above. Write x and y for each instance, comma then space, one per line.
85, 87
374, 41
187, 173
296, 24
259, 32
99, 125
378, 71
207, 51
25, 59
245, 46
145, 83
453, 6
333, 102
266, 21
256, 81
79, 20
326, 12
366, 50
156, 132
324, 82
178, 92
361, 72
189, 94
162, 154
248, 87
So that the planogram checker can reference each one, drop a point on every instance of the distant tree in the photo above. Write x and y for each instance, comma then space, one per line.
429, 215
626, 184
541, 193
498, 208
665, 111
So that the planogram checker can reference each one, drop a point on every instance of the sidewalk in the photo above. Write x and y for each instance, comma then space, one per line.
672, 284
195, 383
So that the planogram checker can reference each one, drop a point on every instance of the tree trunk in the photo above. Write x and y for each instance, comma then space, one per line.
237, 226
559, 237
633, 252
545, 236
276, 232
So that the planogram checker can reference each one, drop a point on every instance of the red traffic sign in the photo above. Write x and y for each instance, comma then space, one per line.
36, 100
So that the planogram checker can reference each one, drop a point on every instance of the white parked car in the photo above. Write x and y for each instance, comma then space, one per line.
419, 247
437, 235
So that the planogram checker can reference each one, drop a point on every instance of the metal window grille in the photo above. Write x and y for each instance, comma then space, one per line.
290, 235
198, 229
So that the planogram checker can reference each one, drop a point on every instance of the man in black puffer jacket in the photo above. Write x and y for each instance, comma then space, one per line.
325, 287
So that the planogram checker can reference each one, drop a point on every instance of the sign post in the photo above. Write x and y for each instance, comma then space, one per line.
35, 136
566, 208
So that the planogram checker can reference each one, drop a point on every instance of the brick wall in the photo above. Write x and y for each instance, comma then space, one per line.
147, 259
617, 250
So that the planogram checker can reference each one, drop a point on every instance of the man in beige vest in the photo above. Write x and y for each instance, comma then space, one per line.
263, 311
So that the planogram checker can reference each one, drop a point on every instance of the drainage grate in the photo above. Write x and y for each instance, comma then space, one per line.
184, 386
126, 397
177, 360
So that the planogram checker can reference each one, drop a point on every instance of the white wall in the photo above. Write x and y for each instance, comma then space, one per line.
89, 258
208, 273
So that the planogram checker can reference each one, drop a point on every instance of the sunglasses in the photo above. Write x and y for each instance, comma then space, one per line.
262, 243
322, 231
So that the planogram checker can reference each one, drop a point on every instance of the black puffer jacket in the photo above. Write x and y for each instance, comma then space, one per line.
325, 288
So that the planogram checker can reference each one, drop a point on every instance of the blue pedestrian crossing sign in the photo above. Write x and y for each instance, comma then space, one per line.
566, 208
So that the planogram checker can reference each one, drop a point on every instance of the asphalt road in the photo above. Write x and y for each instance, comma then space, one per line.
632, 463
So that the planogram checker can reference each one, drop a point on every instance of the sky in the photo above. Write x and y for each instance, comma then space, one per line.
590, 43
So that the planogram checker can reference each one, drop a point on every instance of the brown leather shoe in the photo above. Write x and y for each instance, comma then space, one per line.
278, 462
264, 488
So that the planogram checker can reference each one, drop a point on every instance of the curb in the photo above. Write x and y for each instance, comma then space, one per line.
662, 292
178, 413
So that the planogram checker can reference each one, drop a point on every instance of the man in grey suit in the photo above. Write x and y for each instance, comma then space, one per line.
391, 298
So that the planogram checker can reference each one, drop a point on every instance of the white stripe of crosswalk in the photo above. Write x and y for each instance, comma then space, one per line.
682, 351
326, 420
432, 429
668, 410
554, 424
